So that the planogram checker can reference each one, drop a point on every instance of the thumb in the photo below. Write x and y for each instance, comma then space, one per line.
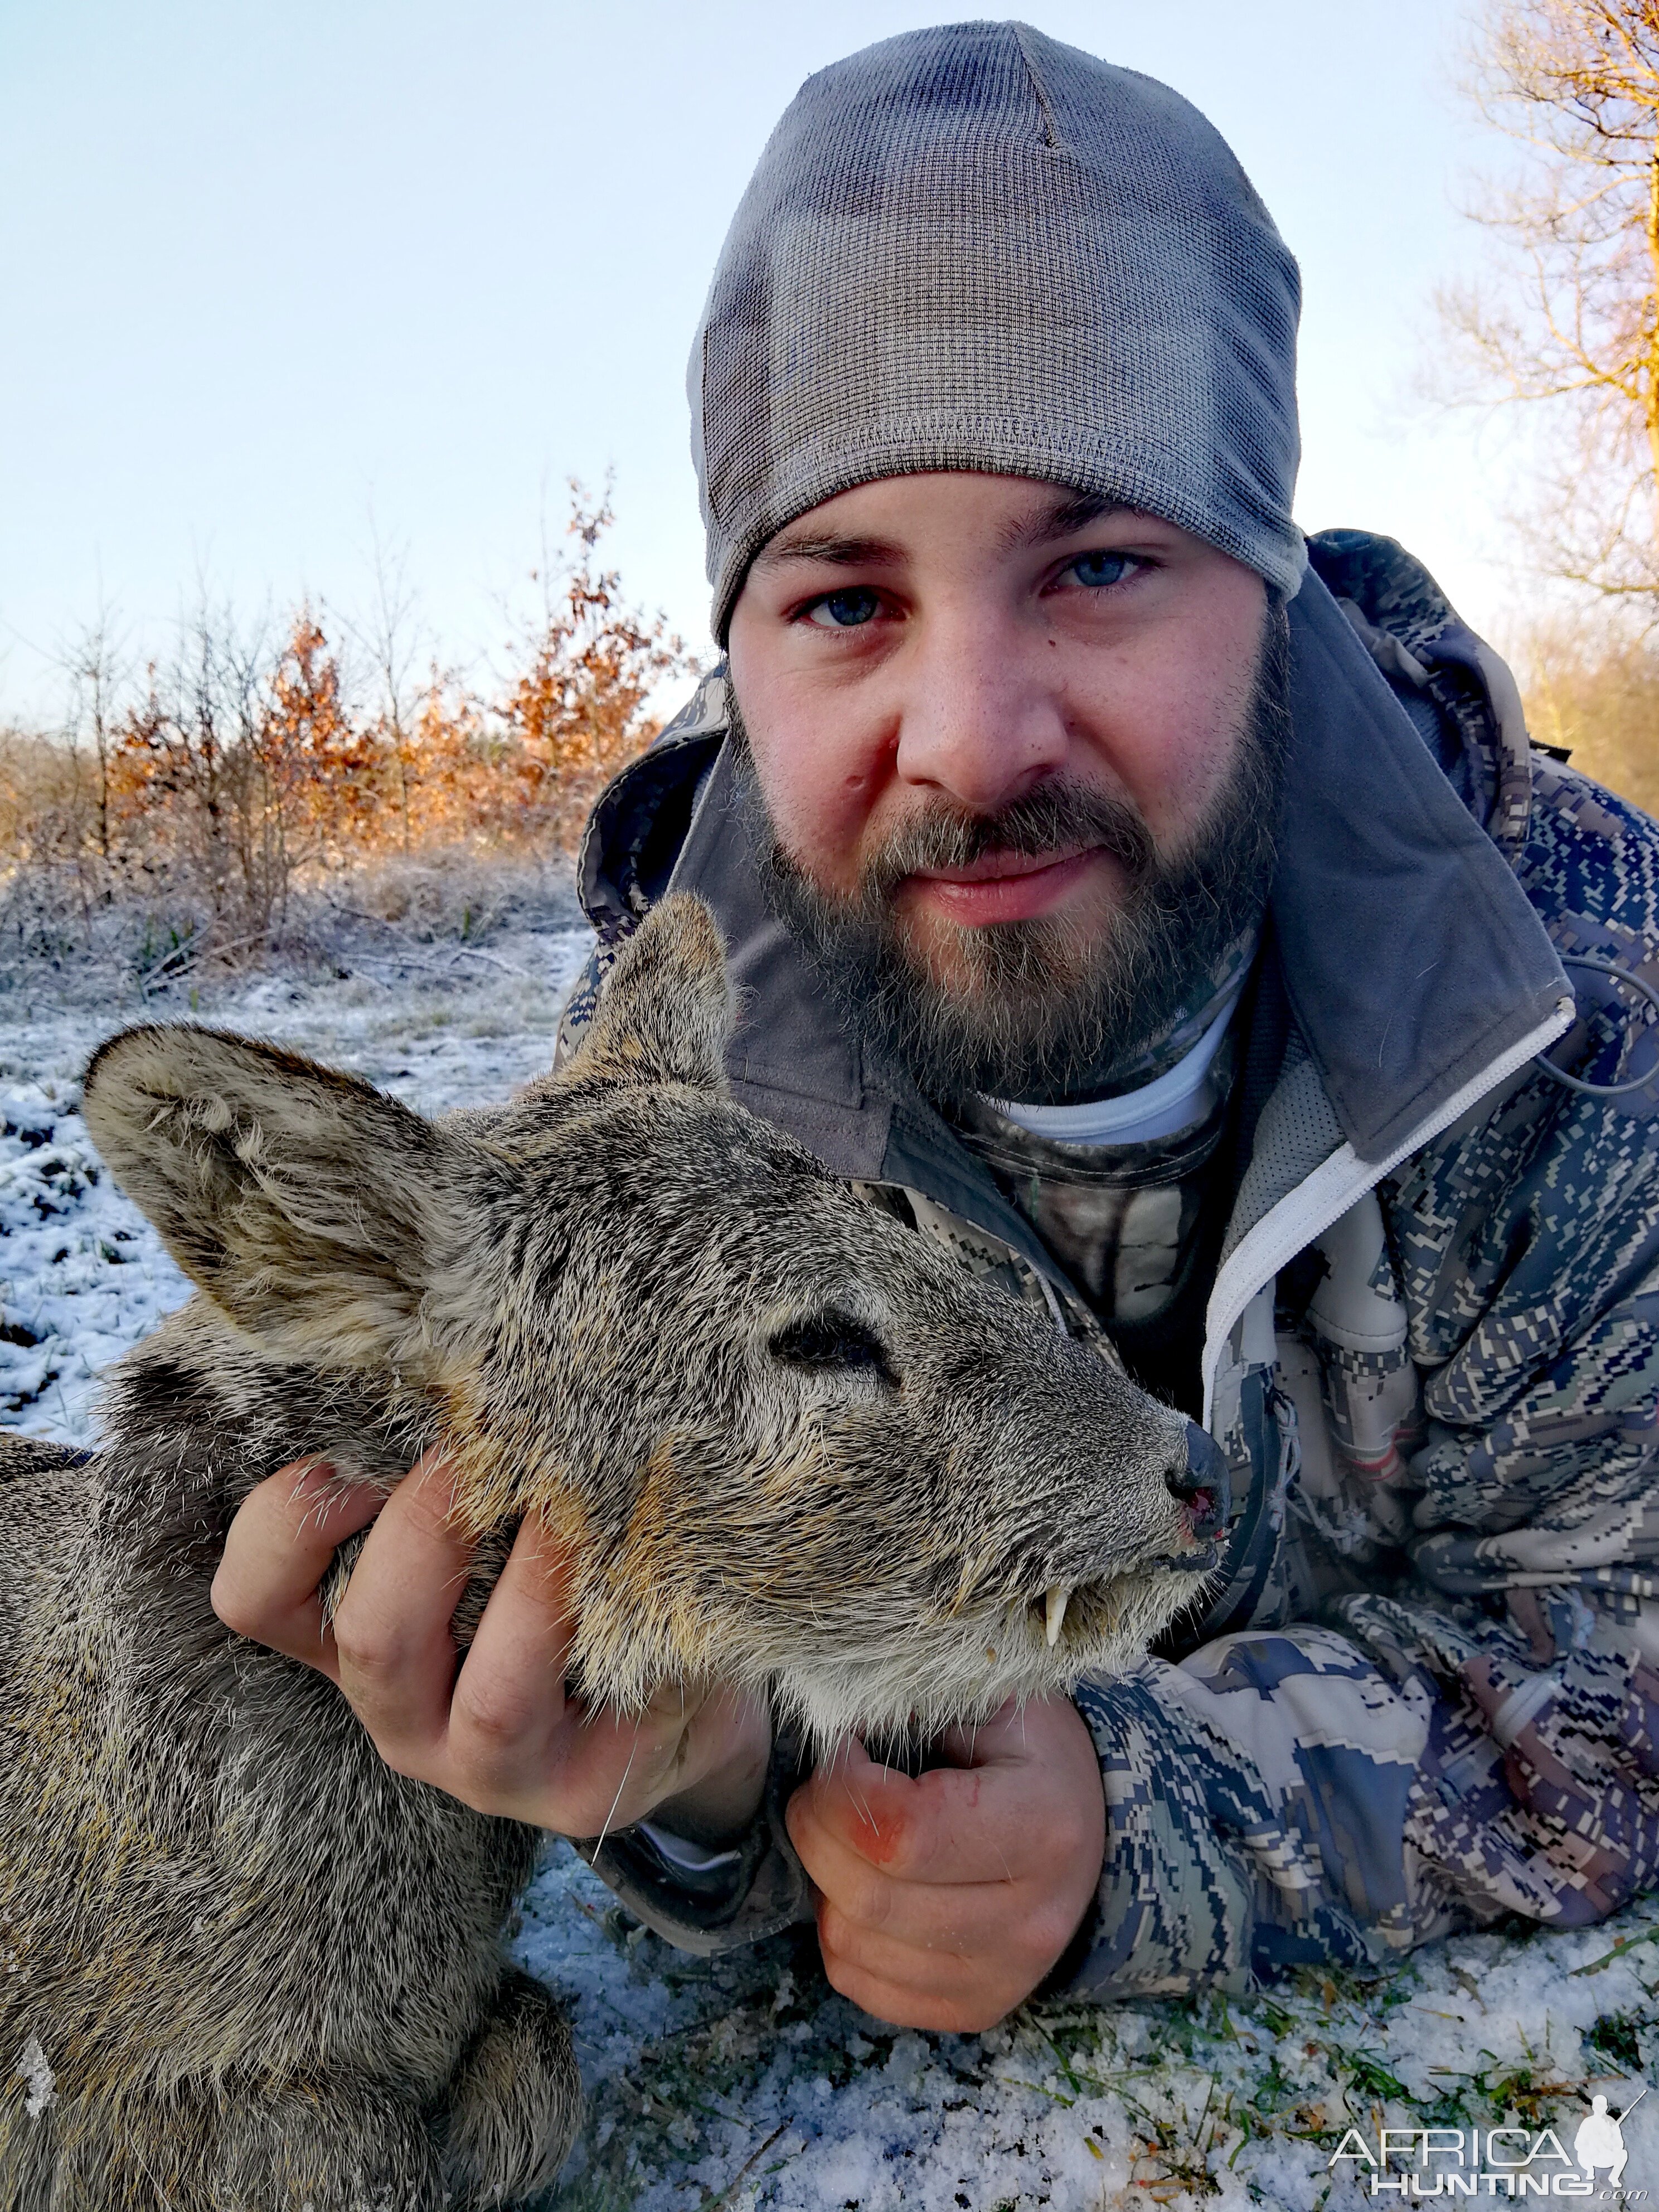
857, 1796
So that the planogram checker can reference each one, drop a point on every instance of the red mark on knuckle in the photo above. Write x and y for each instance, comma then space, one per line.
882, 1838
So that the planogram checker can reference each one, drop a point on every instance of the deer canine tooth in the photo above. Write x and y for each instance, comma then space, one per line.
1053, 1611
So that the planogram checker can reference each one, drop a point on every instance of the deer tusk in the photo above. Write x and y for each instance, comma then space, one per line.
1053, 1611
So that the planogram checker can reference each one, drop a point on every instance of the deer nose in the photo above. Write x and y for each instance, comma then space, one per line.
1201, 1483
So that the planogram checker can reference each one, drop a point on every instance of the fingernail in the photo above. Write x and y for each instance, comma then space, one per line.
314, 1477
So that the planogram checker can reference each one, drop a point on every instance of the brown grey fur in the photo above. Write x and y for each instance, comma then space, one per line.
264, 1971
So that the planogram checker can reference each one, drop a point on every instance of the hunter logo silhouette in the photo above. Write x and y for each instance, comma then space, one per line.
1600, 2138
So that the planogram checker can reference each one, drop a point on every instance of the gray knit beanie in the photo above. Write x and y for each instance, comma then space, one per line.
972, 247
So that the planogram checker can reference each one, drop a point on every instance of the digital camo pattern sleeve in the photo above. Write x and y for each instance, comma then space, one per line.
579, 1003
1528, 1253
1255, 1800
1474, 1729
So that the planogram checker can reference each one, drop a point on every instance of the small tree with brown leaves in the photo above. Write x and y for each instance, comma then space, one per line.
326, 773
572, 713
1599, 697
1575, 331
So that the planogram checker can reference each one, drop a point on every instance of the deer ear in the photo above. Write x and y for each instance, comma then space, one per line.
311, 1208
665, 1011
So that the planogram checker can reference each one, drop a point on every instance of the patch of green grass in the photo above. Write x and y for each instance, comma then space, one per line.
1368, 2076
1614, 2035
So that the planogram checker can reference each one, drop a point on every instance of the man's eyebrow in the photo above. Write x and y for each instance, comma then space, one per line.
839, 552
1064, 518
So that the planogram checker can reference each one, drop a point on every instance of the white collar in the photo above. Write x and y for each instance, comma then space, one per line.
1180, 1096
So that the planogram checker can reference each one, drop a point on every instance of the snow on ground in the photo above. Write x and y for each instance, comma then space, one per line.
735, 2084
81, 1275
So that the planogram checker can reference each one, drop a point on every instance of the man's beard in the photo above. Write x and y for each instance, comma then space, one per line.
1046, 1010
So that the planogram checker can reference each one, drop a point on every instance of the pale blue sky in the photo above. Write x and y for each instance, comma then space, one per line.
281, 276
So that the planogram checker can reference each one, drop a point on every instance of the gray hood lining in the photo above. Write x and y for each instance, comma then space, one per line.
1411, 956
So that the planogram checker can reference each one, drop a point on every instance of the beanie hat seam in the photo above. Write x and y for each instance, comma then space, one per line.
1053, 138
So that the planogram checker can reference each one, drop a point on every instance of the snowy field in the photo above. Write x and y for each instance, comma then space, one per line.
730, 2086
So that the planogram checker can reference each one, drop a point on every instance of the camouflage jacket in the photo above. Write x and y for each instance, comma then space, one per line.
1418, 1693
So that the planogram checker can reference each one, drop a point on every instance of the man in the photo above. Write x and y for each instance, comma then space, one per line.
1172, 918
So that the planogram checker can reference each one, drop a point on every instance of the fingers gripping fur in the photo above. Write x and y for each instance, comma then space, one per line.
666, 1011
311, 1209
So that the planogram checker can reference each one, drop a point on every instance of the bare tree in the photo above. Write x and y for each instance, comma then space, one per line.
390, 639
93, 660
194, 784
1574, 331
1599, 697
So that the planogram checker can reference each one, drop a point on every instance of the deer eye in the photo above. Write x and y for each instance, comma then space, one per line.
832, 1343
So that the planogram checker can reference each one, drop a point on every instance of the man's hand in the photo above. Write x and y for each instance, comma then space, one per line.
943, 1901
500, 1733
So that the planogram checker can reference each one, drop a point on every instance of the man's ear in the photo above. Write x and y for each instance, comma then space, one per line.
310, 1207
665, 1012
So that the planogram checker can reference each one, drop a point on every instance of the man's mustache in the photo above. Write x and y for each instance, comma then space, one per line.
1052, 818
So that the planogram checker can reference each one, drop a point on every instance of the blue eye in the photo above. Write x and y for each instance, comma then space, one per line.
1095, 570
845, 610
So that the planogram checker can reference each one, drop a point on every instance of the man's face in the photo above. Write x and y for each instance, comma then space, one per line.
1018, 754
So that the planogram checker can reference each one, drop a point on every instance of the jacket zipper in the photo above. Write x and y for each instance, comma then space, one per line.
1325, 1195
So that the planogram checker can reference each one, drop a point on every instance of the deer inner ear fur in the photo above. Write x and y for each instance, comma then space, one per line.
665, 1012
311, 1208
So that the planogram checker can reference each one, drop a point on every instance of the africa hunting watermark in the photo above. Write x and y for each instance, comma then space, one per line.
1501, 2161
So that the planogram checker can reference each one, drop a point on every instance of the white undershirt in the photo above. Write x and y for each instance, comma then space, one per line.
1182, 1095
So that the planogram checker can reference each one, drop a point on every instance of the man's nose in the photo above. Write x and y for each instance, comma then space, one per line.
977, 721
